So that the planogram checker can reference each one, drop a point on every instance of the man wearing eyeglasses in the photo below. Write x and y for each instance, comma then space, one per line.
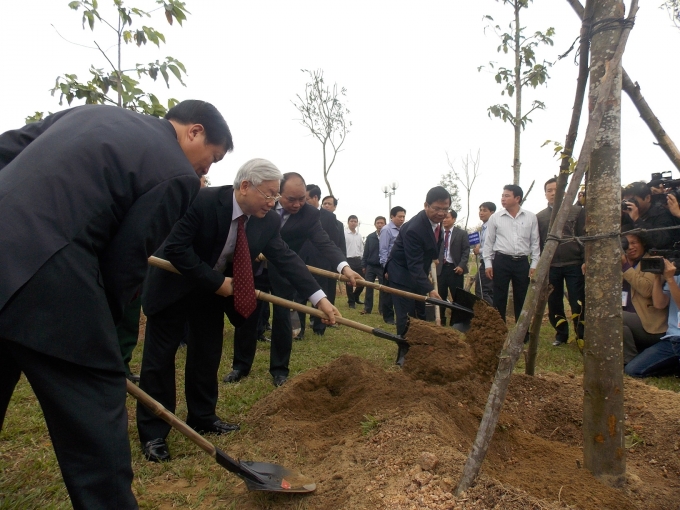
204, 247
299, 225
409, 262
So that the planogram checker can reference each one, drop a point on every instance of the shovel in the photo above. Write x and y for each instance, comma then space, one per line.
259, 476
263, 296
391, 290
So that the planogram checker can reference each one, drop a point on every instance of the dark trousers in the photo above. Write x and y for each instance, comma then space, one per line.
128, 330
372, 272
483, 285
263, 318
448, 281
635, 337
573, 277
387, 304
245, 339
85, 412
326, 284
405, 308
508, 269
353, 294
164, 330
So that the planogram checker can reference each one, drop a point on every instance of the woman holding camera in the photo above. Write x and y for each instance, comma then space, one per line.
643, 324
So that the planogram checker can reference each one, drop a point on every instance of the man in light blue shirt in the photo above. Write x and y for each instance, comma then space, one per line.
387, 237
663, 357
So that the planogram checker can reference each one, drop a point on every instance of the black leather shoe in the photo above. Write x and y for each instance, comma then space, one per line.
134, 378
156, 450
263, 338
391, 322
219, 427
359, 302
279, 380
352, 306
234, 376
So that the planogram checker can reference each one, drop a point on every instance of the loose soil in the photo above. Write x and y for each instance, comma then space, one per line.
376, 439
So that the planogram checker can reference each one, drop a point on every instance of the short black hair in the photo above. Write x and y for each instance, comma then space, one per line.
352, 217
549, 181
335, 200
379, 218
396, 210
636, 189
194, 111
436, 194
313, 190
516, 190
290, 175
453, 214
488, 205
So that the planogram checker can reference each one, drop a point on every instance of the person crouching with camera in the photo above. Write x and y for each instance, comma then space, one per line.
643, 324
663, 357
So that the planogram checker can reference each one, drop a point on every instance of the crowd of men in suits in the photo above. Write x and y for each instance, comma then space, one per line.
88, 194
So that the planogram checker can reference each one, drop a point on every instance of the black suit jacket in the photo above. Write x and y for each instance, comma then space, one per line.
196, 242
301, 230
459, 248
412, 254
85, 197
310, 254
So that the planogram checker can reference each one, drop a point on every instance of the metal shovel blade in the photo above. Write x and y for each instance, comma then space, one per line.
264, 476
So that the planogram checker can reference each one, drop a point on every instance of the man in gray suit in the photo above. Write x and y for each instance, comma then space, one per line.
453, 259
86, 195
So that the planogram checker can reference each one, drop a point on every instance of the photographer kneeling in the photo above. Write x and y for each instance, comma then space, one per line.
663, 357
643, 323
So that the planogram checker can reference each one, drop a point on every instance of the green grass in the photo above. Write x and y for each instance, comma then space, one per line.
30, 477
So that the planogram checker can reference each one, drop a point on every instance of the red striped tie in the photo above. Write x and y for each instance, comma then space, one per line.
244, 287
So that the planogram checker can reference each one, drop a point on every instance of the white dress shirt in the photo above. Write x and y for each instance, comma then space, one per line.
227, 254
355, 245
516, 236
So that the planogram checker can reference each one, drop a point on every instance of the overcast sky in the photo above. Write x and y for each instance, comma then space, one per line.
410, 70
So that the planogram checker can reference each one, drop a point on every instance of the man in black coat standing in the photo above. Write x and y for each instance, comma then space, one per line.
202, 246
409, 263
299, 225
453, 260
85, 197
370, 262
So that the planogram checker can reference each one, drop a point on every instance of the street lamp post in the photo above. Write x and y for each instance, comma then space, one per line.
390, 190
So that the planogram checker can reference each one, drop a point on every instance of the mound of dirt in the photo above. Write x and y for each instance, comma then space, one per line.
441, 355
398, 439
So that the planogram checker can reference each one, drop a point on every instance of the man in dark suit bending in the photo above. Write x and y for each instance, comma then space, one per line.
85, 197
202, 246
409, 263
299, 226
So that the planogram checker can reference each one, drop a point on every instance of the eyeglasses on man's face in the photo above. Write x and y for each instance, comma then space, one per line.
268, 198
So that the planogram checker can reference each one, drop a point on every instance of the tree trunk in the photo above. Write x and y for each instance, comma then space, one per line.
569, 143
633, 91
603, 422
518, 97
536, 322
514, 342
325, 171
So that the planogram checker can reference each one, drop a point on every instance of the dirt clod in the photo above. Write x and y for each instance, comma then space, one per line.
428, 461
